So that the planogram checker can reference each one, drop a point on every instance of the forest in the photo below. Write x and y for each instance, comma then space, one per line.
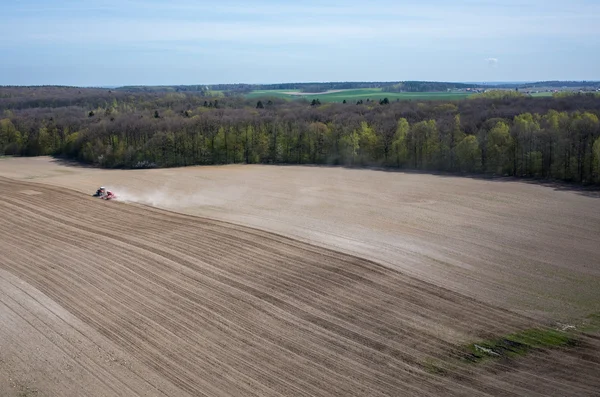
496, 133
425, 86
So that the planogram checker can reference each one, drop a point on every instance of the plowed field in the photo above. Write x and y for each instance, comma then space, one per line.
119, 299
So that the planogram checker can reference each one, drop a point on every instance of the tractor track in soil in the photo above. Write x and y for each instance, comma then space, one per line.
104, 298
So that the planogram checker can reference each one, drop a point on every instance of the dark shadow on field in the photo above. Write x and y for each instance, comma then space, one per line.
561, 186
592, 191
557, 185
588, 191
68, 162
71, 163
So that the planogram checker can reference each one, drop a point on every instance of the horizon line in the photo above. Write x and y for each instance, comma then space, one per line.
292, 82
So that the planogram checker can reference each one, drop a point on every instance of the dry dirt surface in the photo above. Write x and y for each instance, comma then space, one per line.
531, 249
112, 299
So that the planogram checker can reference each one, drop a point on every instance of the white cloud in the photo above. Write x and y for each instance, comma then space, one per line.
492, 62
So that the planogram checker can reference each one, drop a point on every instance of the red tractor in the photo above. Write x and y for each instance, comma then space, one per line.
105, 194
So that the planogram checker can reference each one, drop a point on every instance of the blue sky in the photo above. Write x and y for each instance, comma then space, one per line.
118, 42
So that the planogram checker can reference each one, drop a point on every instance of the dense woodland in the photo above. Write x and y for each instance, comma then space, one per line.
233, 89
425, 86
491, 133
553, 84
396, 86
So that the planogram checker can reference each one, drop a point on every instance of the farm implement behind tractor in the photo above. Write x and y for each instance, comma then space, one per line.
104, 194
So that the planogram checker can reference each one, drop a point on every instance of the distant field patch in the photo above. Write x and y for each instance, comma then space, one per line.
271, 93
541, 94
374, 94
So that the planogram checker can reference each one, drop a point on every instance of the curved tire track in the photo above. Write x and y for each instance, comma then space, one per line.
212, 308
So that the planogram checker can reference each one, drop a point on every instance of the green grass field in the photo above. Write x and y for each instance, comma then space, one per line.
541, 94
519, 343
352, 96
271, 93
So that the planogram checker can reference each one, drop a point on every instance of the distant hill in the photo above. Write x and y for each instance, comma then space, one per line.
386, 86
550, 84
389, 86
427, 86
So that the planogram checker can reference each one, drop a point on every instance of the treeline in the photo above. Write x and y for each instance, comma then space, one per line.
426, 86
232, 89
393, 86
553, 84
200, 89
53, 96
503, 135
17, 98
324, 86
396, 86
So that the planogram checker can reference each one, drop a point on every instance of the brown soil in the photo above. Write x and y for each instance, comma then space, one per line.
526, 248
108, 298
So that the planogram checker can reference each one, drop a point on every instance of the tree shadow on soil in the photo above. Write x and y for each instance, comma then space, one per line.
71, 163
592, 191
